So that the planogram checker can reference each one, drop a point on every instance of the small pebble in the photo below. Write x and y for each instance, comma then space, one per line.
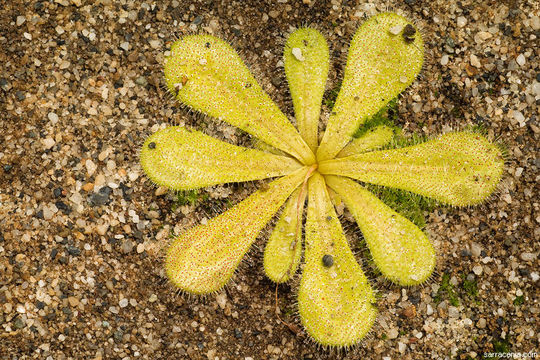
520, 60
221, 299
297, 52
444, 60
475, 62
527, 256
477, 270
52, 117
91, 167
328, 260
395, 30
453, 312
481, 323
48, 143
127, 246
20, 20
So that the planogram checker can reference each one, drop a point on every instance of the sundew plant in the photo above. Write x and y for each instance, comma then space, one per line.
337, 305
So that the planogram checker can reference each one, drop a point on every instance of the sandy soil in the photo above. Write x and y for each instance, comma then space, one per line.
81, 227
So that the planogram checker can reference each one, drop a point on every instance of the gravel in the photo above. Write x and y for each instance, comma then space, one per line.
80, 90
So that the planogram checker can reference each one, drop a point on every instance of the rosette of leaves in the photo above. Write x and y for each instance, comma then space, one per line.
336, 302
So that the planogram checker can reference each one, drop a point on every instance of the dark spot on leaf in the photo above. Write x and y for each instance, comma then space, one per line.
408, 33
328, 260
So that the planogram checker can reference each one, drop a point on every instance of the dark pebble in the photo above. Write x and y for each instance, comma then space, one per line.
197, 20
101, 197
238, 333
19, 323
54, 252
62, 206
40, 305
8, 167
57, 193
67, 311
466, 253
328, 260
524, 272
276, 81
105, 190
414, 299
20, 95
118, 335
73, 251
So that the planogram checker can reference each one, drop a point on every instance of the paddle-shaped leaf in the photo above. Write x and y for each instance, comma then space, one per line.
461, 168
400, 250
385, 56
306, 66
207, 74
335, 300
182, 159
373, 139
204, 258
284, 248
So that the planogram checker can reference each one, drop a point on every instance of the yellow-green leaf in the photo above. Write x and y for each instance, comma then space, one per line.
382, 62
204, 258
335, 300
284, 248
182, 159
461, 168
306, 66
400, 250
207, 74
374, 139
